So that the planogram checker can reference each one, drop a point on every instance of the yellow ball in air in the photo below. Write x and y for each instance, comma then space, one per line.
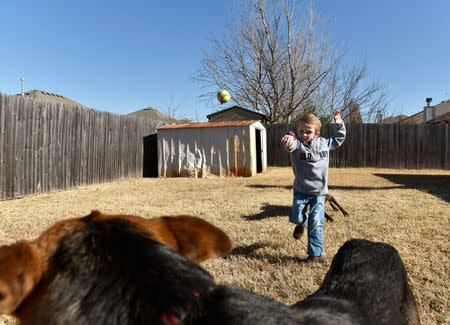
223, 96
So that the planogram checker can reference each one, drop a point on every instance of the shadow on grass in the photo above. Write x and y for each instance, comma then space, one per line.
269, 211
288, 187
364, 188
250, 252
247, 250
333, 187
437, 185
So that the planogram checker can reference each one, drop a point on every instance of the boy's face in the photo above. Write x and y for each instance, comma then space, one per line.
307, 132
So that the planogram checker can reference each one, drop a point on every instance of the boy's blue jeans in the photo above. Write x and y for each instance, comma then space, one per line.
314, 219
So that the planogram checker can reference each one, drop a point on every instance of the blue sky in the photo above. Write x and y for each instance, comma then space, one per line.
122, 56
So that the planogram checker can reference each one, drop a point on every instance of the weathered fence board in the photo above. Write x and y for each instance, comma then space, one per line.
376, 145
46, 146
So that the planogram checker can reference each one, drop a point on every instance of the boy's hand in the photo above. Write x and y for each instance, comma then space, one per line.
337, 117
287, 140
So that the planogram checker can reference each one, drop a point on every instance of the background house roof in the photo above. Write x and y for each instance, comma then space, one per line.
50, 97
441, 119
439, 109
393, 119
441, 113
153, 114
236, 108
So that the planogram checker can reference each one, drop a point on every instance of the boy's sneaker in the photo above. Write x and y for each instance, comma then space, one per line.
316, 259
298, 231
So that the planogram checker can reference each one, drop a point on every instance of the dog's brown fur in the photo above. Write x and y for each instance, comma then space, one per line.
21, 268
195, 238
23, 264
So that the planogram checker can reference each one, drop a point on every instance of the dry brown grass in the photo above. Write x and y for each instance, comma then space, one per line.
408, 209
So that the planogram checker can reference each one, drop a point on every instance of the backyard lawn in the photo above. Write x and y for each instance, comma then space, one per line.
409, 209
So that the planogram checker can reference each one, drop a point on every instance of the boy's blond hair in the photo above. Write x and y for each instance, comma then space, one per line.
312, 120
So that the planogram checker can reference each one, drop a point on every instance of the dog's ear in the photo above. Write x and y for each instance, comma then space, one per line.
20, 271
197, 239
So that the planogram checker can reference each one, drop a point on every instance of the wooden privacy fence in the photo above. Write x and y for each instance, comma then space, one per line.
46, 146
419, 146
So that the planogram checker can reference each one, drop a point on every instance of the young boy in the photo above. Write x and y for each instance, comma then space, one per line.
309, 157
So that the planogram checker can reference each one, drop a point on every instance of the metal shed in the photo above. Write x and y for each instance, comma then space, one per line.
212, 149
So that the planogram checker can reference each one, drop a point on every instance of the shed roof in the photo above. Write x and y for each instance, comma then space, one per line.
207, 125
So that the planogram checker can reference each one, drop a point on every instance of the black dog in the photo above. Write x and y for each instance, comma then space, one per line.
112, 272
366, 284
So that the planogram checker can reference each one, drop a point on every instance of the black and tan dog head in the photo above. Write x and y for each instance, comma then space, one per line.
107, 264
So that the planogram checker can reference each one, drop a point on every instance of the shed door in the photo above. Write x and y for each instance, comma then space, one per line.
150, 157
259, 167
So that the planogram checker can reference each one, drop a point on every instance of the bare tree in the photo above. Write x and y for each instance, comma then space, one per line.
276, 59
172, 112
346, 88
270, 60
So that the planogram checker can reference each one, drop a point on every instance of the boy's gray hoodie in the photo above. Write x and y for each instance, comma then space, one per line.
310, 162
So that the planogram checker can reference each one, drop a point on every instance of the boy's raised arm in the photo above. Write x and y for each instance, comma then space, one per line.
338, 118
339, 134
